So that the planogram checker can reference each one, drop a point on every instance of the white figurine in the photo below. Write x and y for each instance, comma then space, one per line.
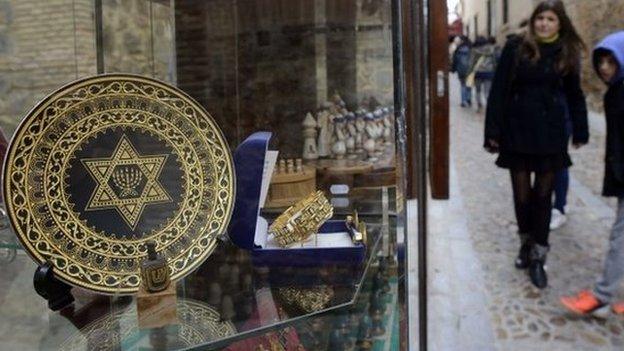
370, 144
309, 138
351, 135
360, 125
339, 148
325, 134
387, 121
378, 130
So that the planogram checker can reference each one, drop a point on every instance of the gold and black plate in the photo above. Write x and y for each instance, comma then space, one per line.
105, 164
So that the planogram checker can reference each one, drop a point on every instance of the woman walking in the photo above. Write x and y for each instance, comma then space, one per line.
536, 85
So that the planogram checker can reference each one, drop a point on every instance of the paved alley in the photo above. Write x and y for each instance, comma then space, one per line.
478, 300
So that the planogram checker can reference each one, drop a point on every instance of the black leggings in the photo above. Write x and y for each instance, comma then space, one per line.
533, 203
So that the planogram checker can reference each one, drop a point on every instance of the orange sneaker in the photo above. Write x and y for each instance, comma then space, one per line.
583, 303
618, 307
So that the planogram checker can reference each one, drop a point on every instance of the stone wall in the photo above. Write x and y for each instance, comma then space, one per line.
594, 20
43, 45
46, 44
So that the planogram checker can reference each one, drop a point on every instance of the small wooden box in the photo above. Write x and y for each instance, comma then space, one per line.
288, 188
157, 309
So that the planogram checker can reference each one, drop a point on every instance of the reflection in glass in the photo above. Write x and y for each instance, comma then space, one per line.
43, 45
138, 38
197, 323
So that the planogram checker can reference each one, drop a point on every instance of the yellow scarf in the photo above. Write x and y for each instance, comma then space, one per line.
550, 40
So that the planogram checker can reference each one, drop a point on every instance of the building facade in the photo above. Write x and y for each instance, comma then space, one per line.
494, 18
593, 20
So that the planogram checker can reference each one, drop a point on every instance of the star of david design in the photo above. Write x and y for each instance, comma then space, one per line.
126, 182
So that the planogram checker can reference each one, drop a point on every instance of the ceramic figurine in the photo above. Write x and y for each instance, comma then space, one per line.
351, 135
371, 135
324, 136
214, 294
247, 284
337, 100
379, 127
309, 135
290, 166
326, 105
378, 327
360, 125
224, 272
387, 122
369, 147
227, 308
299, 165
339, 148
234, 278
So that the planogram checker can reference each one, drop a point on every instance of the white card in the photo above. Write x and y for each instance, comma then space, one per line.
267, 172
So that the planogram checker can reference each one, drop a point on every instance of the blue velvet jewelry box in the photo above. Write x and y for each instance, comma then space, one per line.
333, 245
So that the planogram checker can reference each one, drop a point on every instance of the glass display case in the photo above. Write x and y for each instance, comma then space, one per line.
318, 75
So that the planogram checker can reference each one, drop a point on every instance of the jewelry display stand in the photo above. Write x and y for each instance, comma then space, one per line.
249, 229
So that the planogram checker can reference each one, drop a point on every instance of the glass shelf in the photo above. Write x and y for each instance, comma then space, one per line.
110, 322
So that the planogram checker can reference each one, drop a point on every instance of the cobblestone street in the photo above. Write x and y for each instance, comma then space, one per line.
474, 287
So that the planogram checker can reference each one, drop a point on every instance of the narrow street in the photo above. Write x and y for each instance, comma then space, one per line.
478, 300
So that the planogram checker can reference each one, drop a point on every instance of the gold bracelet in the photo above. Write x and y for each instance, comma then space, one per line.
308, 300
302, 219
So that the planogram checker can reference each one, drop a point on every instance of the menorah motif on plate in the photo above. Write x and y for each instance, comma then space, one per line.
127, 179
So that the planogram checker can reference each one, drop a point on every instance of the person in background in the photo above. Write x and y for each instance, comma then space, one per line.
536, 84
461, 65
483, 66
558, 216
454, 43
608, 60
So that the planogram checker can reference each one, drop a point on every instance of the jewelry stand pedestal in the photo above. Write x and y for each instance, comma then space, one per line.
157, 309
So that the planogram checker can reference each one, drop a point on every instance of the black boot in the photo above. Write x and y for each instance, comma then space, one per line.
526, 244
536, 266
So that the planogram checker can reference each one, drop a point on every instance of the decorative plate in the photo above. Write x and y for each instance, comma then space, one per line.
105, 164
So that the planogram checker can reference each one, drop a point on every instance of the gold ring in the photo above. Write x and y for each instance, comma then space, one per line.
302, 219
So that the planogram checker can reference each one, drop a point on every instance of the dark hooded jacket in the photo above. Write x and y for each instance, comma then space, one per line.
529, 104
613, 183
461, 61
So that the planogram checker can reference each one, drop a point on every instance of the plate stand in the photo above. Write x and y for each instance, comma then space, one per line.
55, 291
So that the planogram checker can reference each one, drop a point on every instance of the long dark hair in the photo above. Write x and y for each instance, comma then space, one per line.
571, 43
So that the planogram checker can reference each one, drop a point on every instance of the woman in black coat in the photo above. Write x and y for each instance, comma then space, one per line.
536, 89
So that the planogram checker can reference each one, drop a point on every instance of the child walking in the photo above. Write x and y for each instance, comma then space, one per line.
608, 59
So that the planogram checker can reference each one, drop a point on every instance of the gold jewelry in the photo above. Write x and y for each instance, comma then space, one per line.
308, 300
302, 219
